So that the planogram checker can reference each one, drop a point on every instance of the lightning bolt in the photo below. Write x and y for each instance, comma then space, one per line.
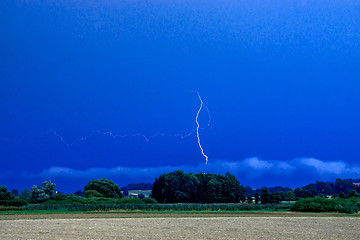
198, 126
110, 134
146, 138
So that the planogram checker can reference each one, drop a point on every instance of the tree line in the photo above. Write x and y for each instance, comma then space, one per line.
180, 187
99, 188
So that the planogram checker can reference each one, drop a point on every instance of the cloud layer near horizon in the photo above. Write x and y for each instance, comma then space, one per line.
254, 171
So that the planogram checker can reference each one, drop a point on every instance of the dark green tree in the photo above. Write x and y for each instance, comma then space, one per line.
178, 187
26, 194
79, 193
290, 196
231, 189
4, 194
158, 189
92, 194
257, 198
265, 197
276, 198
242, 194
342, 186
353, 193
323, 188
105, 187
301, 193
141, 196
342, 195
213, 190
8, 199
249, 199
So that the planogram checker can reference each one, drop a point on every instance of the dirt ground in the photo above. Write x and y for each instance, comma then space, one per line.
167, 215
150, 226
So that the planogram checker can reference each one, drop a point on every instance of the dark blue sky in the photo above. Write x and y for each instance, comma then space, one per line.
281, 80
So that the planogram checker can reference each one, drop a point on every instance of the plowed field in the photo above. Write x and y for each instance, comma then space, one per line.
142, 226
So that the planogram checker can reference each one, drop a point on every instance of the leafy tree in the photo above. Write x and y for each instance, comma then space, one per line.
8, 199
242, 194
342, 186
177, 186
249, 199
92, 194
265, 197
213, 190
257, 197
38, 195
290, 196
342, 195
301, 193
323, 188
26, 194
125, 193
141, 196
278, 189
311, 188
353, 193
79, 193
276, 198
42, 194
105, 187
48, 187
158, 189
4, 194
232, 190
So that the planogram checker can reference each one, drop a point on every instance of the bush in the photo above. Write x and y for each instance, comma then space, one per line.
61, 196
105, 187
149, 200
9, 208
132, 204
319, 204
16, 202
64, 199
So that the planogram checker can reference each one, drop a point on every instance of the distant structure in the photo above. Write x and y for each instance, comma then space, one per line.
356, 184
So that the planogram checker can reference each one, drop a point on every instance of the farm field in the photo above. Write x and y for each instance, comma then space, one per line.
113, 226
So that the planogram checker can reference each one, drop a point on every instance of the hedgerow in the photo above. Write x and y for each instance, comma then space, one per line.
319, 204
101, 206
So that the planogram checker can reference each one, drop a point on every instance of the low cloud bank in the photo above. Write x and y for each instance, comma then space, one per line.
247, 170
251, 167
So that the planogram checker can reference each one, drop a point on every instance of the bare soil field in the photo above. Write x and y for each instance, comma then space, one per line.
179, 227
141, 214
